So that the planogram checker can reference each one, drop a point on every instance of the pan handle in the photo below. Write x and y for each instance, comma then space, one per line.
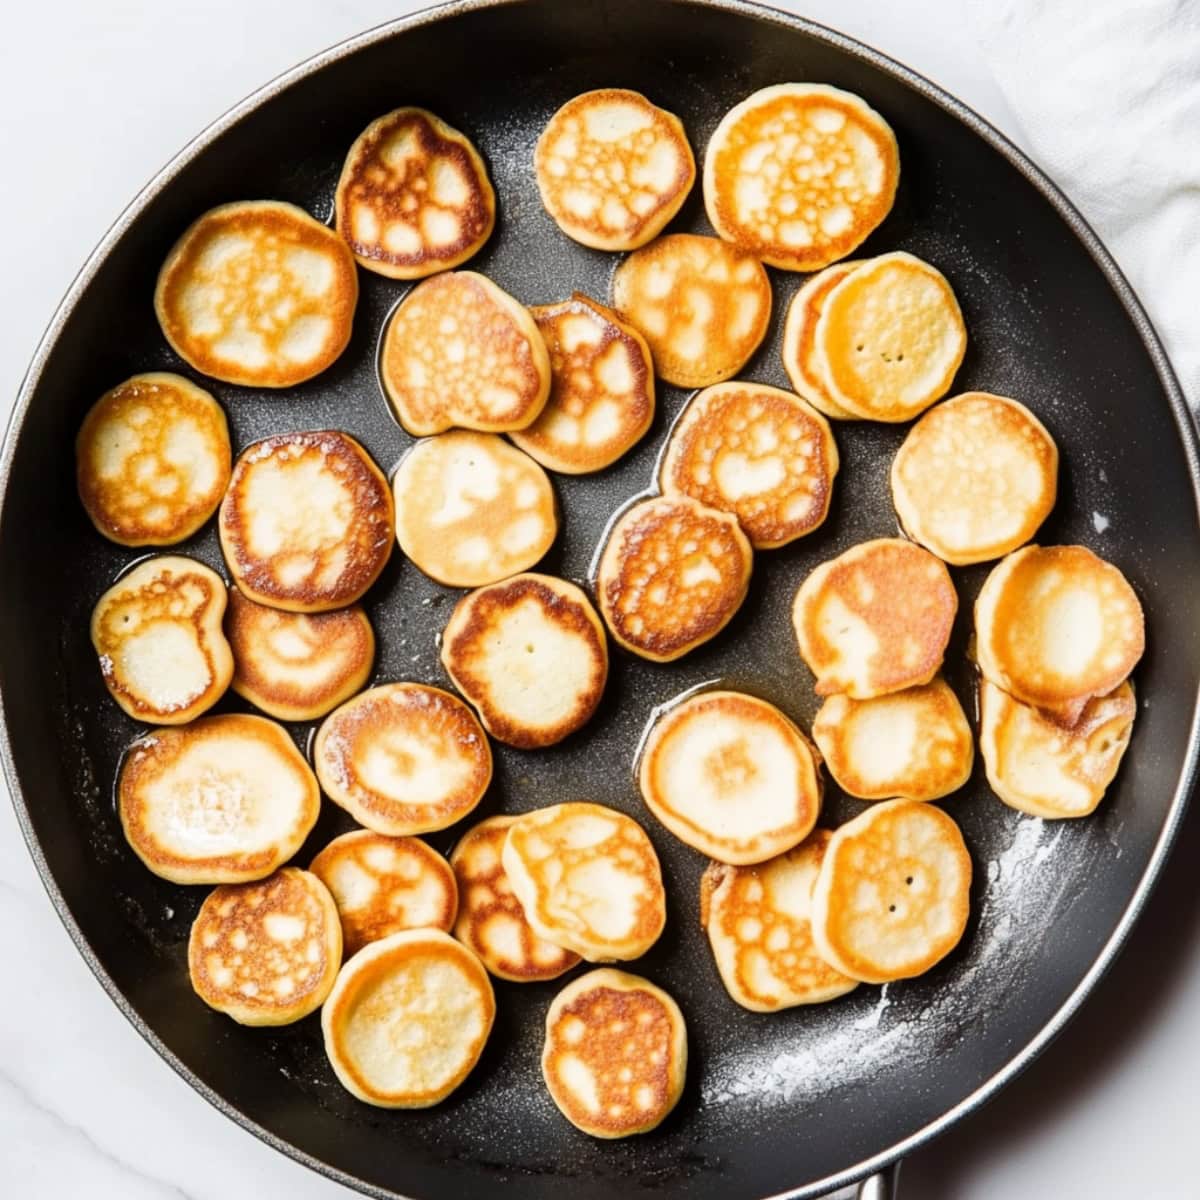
881, 1185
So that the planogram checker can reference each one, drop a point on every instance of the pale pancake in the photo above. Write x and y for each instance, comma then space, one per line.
530, 654
800, 358
798, 174
892, 896
460, 351
266, 953
875, 619
615, 1055
407, 1019
225, 799
158, 633
258, 293
672, 574
403, 758
613, 168
702, 306
307, 524
588, 880
152, 460
730, 775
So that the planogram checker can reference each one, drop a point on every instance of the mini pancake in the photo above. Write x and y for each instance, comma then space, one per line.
226, 799
672, 574
471, 509
258, 293
307, 523
615, 1055
975, 478
798, 174
613, 169
800, 359
588, 880
730, 775
853, 634
893, 892
158, 633
1037, 766
530, 655
601, 388
914, 744
407, 1019
266, 953
490, 918
460, 351
757, 452
414, 196
702, 306
382, 885
403, 758
152, 460
757, 921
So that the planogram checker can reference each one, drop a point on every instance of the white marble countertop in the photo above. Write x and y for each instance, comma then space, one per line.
93, 99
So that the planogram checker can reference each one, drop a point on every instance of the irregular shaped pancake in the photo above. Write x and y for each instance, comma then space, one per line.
702, 306
757, 452
875, 619
157, 631
152, 460
893, 893
407, 1019
613, 169
730, 775
403, 758
307, 523
258, 293
459, 351
615, 1055
672, 574
588, 880
471, 509
414, 196
530, 654
226, 799
266, 953
798, 174
800, 356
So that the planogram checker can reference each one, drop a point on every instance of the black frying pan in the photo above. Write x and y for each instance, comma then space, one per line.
795, 1102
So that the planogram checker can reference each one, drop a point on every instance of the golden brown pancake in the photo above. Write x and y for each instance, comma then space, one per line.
799, 339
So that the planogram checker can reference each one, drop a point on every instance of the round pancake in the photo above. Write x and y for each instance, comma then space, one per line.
613, 169
471, 509
490, 918
587, 879
307, 523
403, 758
158, 633
615, 1055
915, 744
702, 306
893, 893
407, 1019
854, 636
757, 452
601, 388
414, 196
798, 174
152, 460
672, 574
383, 884
226, 799
458, 350
730, 775
258, 293
974, 478
530, 655
266, 953
757, 921
800, 342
